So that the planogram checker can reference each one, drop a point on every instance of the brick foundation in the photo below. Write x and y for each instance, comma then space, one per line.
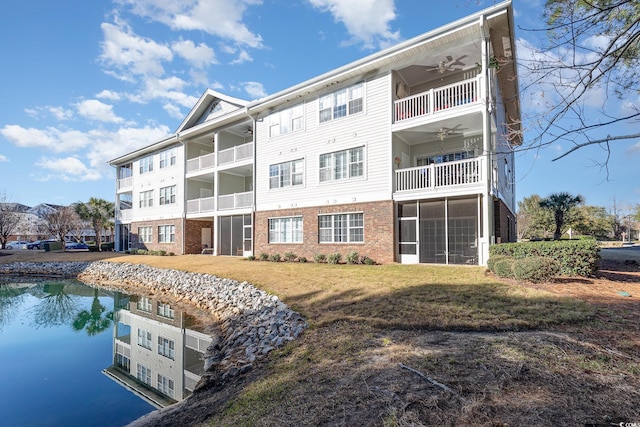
378, 232
193, 235
175, 246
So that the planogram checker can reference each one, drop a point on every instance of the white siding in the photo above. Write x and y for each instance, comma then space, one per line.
370, 129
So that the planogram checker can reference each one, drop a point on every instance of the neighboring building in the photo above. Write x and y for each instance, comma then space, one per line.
405, 155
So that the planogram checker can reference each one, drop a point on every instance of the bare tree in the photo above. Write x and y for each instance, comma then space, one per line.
59, 222
9, 219
581, 83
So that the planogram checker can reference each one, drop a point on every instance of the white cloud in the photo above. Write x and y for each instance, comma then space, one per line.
129, 54
93, 109
57, 140
66, 169
367, 21
110, 95
3, 158
198, 56
222, 18
170, 89
60, 113
254, 89
243, 57
173, 111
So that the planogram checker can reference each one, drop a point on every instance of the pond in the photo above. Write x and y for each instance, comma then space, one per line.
74, 355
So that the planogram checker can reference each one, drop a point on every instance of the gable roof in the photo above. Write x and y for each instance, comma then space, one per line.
211, 105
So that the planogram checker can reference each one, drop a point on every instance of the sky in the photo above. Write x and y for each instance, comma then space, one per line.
83, 82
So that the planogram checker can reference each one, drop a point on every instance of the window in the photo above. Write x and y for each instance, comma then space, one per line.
144, 339
166, 348
168, 195
286, 121
168, 158
344, 102
145, 234
286, 174
342, 164
443, 158
165, 310
165, 385
146, 164
143, 374
146, 199
166, 233
125, 171
285, 230
341, 228
123, 362
144, 304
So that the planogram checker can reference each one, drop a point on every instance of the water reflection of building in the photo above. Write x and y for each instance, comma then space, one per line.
155, 355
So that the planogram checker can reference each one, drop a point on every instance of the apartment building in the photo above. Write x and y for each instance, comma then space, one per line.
403, 156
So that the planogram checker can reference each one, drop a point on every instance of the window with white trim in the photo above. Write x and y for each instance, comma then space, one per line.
343, 164
144, 338
167, 195
286, 174
285, 230
145, 234
144, 304
146, 164
168, 158
342, 103
165, 385
143, 374
165, 310
166, 347
166, 233
146, 199
286, 121
341, 228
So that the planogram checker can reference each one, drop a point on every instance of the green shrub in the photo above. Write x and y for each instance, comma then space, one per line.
162, 253
535, 269
275, 258
504, 267
302, 259
367, 261
171, 254
491, 261
353, 258
334, 258
575, 257
107, 246
289, 256
132, 252
264, 256
251, 258
319, 258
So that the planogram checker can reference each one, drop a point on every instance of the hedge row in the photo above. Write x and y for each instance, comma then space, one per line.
530, 269
575, 257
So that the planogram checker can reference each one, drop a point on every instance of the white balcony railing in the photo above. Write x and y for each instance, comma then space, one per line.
206, 204
235, 154
202, 162
462, 172
124, 214
125, 182
235, 201
437, 99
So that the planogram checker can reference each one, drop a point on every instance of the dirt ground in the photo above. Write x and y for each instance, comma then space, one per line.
584, 374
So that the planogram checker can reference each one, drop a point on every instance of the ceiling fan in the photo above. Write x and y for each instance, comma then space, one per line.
449, 64
444, 132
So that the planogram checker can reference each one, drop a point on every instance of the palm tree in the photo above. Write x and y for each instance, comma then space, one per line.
98, 212
93, 321
560, 204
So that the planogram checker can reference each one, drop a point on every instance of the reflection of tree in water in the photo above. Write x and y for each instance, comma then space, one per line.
11, 296
95, 320
56, 307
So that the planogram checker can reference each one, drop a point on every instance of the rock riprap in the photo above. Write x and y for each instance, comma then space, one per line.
251, 322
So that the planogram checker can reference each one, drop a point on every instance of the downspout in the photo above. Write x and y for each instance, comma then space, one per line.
184, 193
254, 122
489, 220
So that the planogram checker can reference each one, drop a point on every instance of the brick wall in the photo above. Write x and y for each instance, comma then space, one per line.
175, 247
505, 223
378, 232
193, 235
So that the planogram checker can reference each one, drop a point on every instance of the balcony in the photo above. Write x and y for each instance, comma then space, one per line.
203, 162
436, 100
235, 154
459, 173
235, 201
206, 204
125, 183
124, 214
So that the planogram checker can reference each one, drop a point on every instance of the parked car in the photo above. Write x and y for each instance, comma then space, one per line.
76, 247
16, 244
34, 245
44, 242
